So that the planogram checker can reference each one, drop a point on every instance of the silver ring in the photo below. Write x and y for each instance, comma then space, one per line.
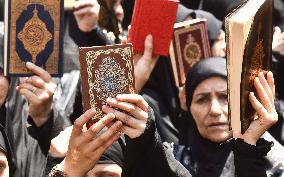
34, 89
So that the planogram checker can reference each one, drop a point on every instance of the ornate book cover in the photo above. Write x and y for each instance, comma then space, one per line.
190, 44
154, 17
105, 72
33, 32
256, 53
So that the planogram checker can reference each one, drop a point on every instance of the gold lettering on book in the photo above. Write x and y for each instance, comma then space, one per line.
192, 51
110, 78
34, 35
257, 58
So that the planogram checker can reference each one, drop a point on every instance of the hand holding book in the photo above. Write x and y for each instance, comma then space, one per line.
132, 111
38, 90
264, 107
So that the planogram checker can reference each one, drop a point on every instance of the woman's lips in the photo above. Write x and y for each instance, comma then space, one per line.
221, 126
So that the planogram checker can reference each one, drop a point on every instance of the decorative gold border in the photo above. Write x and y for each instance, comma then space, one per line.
177, 34
16, 65
91, 58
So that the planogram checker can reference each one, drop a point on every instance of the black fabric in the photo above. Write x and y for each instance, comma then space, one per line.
87, 39
6, 148
1, 10
249, 158
146, 156
29, 143
213, 24
162, 95
201, 71
114, 154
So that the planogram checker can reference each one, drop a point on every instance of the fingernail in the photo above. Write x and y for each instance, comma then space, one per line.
260, 73
111, 100
251, 93
28, 64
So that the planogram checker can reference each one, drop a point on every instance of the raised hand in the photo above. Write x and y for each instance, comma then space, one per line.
86, 13
38, 90
144, 64
86, 147
278, 41
264, 106
133, 112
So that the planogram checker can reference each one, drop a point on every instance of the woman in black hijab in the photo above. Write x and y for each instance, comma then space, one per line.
205, 151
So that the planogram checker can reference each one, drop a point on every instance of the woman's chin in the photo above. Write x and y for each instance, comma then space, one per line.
219, 137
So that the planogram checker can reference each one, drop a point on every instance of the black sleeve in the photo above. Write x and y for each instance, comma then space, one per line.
249, 159
47, 131
146, 156
87, 39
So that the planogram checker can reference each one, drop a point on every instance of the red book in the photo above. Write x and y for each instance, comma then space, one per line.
190, 44
156, 17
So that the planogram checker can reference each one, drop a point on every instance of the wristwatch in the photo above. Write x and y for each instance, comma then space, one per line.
55, 172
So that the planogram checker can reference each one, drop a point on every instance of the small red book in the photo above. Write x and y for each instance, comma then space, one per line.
156, 17
190, 44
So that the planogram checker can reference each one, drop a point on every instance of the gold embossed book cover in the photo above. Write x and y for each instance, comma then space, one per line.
33, 32
190, 44
105, 72
249, 34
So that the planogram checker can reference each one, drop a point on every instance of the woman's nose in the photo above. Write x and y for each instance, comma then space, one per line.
215, 108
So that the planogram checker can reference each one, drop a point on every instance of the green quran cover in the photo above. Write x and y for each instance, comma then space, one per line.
34, 33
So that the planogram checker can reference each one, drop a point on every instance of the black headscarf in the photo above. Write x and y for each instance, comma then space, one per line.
213, 24
114, 154
207, 158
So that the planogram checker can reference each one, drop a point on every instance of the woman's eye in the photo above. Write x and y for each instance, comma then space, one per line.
202, 100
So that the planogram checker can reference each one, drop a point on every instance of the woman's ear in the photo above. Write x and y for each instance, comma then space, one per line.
182, 98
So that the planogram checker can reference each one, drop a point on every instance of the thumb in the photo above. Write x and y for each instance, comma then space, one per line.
277, 31
148, 46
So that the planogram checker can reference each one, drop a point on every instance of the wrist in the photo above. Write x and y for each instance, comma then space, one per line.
68, 170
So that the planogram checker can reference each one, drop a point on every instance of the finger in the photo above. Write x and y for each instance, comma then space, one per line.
135, 99
270, 80
129, 108
36, 81
30, 96
102, 139
129, 131
148, 44
258, 107
265, 101
39, 71
266, 87
27, 86
99, 151
82, 120
277, 32
125, 118
97, 127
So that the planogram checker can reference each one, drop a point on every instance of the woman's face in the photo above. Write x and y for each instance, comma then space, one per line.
209, 109
218, 48
118, 10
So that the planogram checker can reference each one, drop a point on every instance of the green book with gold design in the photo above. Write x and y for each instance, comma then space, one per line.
105, 72
33, 32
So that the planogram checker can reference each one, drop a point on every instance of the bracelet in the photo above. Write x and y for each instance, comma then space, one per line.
55, 172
